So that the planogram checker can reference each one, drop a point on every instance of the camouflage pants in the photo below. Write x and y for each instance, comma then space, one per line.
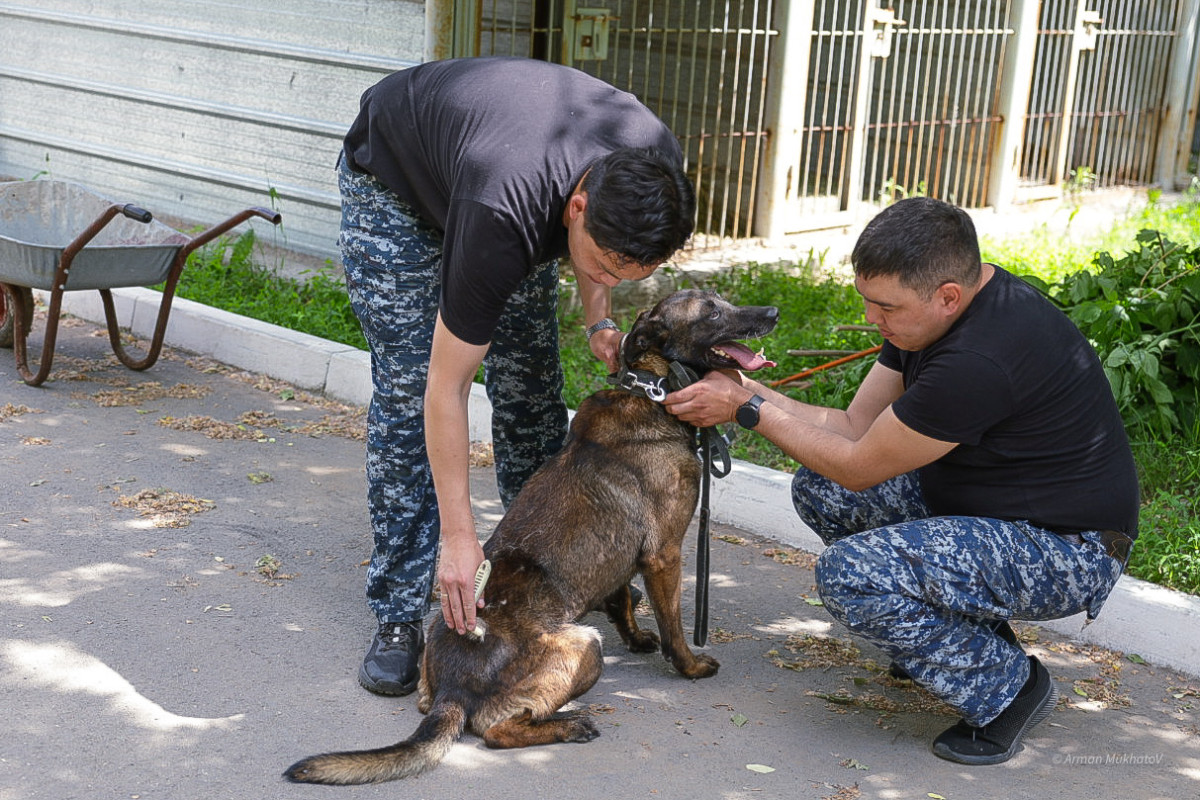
929, 591
392, 261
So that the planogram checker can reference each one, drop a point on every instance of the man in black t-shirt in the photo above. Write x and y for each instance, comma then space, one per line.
980, 474
463, 183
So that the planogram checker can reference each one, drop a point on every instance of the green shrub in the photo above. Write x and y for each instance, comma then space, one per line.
1141, 313
224, 274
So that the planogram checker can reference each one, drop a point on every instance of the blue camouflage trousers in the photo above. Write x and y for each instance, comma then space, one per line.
392, 261
930, 591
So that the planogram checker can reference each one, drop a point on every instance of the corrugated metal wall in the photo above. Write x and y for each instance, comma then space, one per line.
198, 108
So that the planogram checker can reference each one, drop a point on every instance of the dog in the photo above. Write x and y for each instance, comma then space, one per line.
615, 501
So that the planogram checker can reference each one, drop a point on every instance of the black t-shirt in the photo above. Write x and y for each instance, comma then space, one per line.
489, 150
1021, 391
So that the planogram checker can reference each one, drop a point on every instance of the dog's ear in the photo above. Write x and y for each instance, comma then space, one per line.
645, 335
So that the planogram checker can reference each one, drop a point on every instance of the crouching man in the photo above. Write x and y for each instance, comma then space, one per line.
980, 474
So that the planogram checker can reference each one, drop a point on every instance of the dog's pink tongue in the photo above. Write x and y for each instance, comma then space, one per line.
747, 359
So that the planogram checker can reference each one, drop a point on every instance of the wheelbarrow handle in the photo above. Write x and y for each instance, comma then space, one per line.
273, 217
204, 237
136, 213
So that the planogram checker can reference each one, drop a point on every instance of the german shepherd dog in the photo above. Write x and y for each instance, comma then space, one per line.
615, 501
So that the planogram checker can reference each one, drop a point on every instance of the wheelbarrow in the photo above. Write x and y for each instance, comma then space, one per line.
60, 237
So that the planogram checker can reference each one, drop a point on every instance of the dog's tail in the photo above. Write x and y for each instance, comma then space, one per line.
423, 750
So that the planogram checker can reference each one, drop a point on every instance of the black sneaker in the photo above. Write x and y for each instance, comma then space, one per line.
1001, 629
393, 662
999, 740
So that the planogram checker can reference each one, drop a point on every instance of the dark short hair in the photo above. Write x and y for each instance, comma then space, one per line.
922, 241
640, 205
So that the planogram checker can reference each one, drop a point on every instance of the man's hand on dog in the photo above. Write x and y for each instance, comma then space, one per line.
606, 346
712, 400
456, 576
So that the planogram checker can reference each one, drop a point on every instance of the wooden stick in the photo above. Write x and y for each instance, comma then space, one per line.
834, 363
820, 352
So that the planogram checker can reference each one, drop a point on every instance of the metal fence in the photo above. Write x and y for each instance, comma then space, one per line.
902, 101
796, 115
701, 66
1099, 91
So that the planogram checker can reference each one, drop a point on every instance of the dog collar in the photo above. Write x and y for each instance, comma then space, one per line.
644, 384
648, 384
637, 382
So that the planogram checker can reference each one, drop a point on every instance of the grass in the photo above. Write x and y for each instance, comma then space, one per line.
812, 307
224, 274
1167, 552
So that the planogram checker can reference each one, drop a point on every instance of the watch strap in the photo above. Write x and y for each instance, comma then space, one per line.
603, 324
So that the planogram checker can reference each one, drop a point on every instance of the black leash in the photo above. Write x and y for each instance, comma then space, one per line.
712, 441
713, 444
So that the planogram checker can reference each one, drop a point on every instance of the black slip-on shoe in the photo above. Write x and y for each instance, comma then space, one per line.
1002, 629
999, 740
393, 662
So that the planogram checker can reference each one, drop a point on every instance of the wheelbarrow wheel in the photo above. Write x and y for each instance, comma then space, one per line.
8, 317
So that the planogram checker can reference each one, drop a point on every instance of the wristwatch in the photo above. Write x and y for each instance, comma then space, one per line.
599, 326
747, 413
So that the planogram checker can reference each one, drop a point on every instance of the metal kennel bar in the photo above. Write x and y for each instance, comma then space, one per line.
1099, 94
901, 101
806, 114
700, 65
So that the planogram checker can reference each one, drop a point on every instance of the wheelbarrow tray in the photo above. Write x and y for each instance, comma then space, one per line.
58, 237
38, 219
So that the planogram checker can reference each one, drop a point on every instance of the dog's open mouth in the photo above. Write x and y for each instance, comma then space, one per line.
736, 354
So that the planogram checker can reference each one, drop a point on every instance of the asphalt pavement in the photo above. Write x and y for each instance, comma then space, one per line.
182, 557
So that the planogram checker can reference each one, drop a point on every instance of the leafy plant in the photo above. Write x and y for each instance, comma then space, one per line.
891, 191
224, 274
1141, 312
1166, 552
1079, 180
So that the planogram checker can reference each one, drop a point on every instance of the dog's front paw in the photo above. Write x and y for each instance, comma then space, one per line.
702, 666
581, 729
643, 642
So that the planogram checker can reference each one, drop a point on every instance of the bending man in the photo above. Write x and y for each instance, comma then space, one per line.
463, 182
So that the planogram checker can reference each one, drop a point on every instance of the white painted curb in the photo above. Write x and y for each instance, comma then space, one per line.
1160, 625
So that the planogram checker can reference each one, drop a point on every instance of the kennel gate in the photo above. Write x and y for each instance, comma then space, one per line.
807, 114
